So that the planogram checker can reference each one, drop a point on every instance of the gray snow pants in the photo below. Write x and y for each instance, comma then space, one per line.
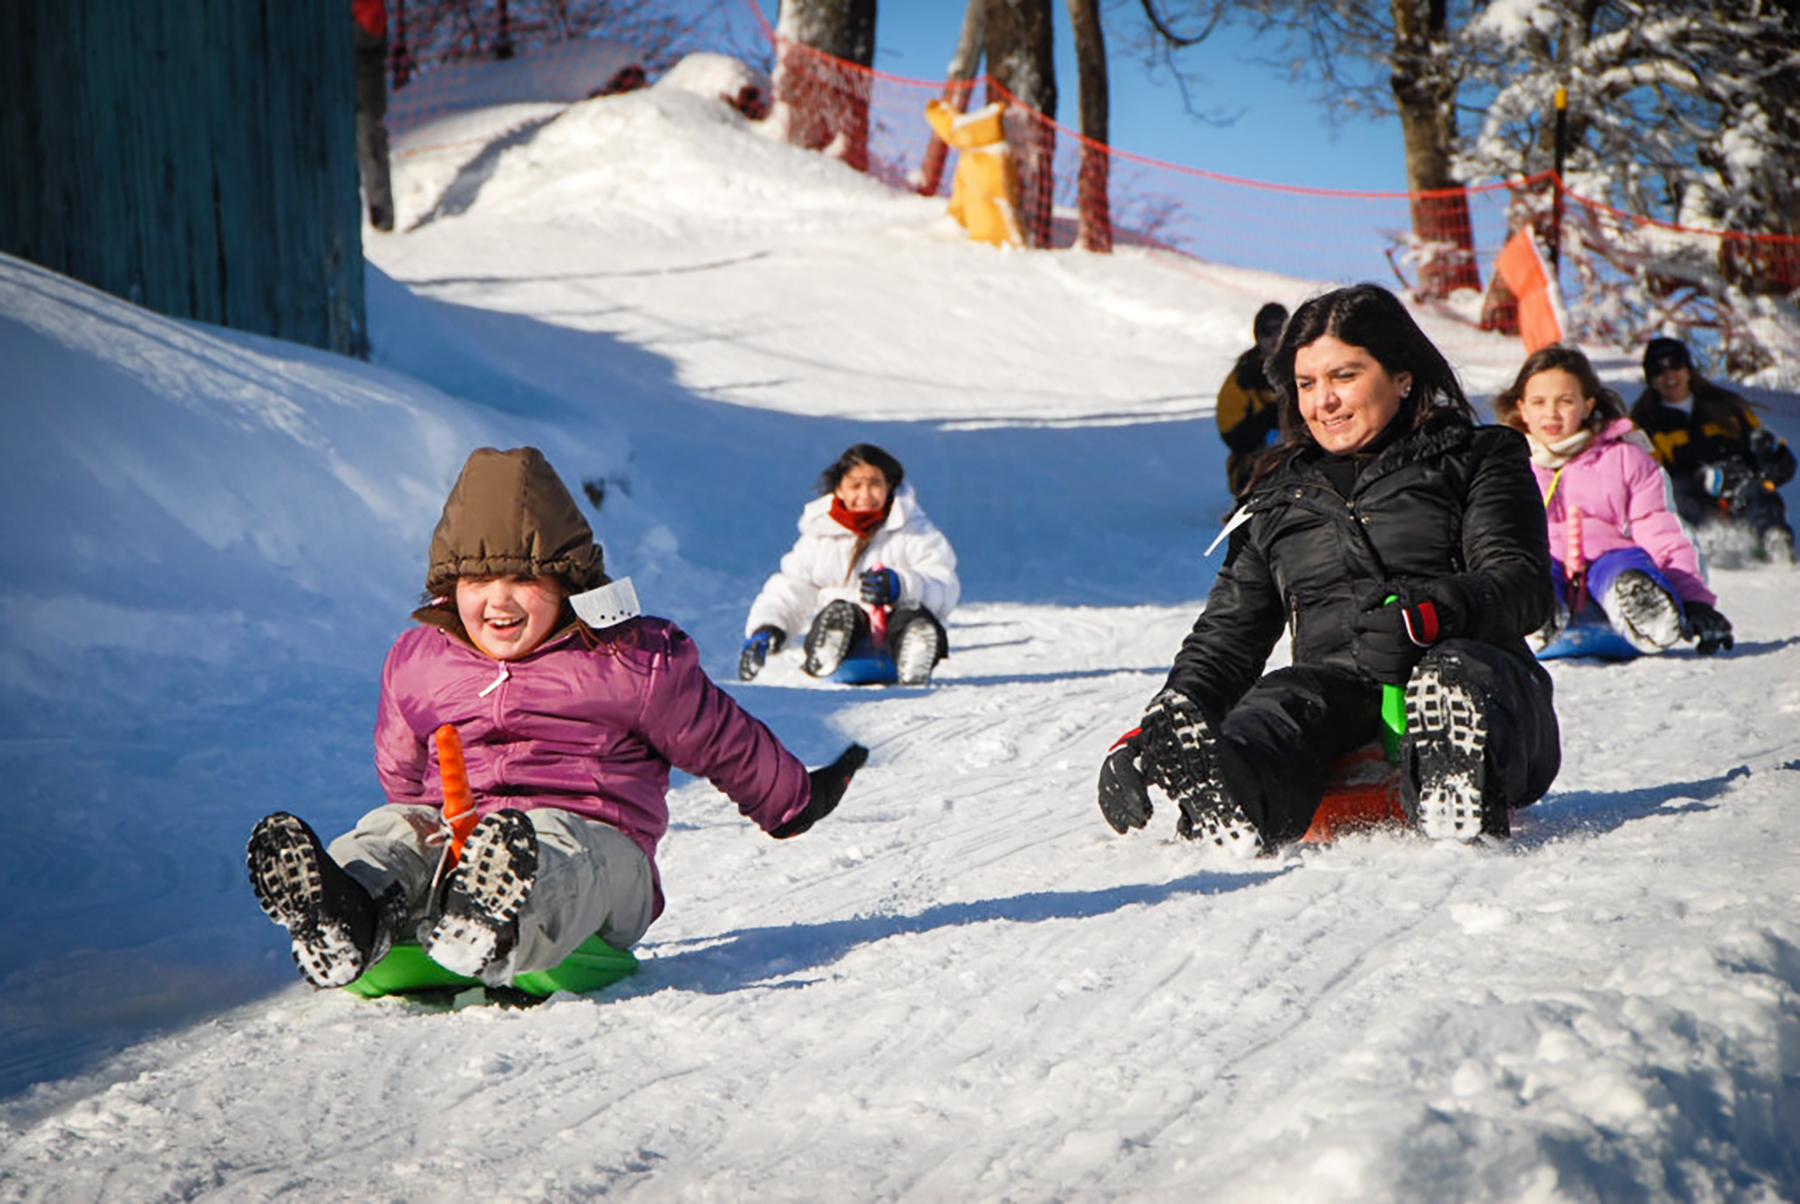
590, 879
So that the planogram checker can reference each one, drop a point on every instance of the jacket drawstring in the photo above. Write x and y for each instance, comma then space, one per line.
495, 684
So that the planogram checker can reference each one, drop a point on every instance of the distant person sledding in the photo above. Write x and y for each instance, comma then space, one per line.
1726, 466
870, 582
1628, 579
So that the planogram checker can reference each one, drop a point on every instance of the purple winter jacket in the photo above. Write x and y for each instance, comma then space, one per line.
1621, 492
589, 729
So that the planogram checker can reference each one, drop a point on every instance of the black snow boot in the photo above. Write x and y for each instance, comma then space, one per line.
479, 927
336, 928
1445, 795
918, 648
1181, 756
832, 633
1650, 614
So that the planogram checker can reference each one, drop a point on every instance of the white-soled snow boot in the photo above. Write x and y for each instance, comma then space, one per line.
1181, 757
1643, 612
479, 927
1446, 731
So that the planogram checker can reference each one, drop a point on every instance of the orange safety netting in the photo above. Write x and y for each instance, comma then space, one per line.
1430, 243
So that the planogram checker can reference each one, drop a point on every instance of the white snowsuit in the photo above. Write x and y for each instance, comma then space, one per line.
817, 571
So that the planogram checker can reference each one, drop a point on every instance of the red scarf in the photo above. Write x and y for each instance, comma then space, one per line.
860, 521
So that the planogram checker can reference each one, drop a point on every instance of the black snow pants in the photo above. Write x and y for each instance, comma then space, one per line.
1280, 740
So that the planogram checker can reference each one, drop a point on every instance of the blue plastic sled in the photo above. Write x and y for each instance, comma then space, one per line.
866, 666
1589, 635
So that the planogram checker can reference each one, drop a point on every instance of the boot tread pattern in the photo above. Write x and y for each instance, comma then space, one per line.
288, 880
917, 652
1192, 779
1449, 732
829, 640
479, 926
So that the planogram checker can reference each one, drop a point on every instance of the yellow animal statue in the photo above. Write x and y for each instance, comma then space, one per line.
985, 190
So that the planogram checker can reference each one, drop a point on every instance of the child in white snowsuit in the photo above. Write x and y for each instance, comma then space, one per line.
569, 708
868, 560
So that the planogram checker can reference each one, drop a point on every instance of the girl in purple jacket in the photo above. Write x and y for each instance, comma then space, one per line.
570, 708
1615, 538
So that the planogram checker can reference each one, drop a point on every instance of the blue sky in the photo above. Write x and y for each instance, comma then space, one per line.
1279, 135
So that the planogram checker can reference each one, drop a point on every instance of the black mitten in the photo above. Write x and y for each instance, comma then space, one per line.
1395, 624
1774, 459
762, 641
1710, 629
828, 785
1123, 800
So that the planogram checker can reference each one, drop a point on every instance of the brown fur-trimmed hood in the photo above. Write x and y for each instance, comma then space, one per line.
509, 513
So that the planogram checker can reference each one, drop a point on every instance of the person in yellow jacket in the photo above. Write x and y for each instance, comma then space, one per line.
984, 192
1247, 410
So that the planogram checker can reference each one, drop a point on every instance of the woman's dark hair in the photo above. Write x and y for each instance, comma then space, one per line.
1608, 405
1370, 317
861, 453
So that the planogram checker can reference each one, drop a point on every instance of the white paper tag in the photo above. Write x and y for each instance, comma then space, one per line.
607, 606
1237, 520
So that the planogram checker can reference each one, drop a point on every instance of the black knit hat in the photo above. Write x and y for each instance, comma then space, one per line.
1664, 351
1269, 321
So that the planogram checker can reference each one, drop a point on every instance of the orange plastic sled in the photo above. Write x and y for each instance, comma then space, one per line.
1364, 793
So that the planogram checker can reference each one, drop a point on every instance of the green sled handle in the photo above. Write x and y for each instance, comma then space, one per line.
1393, 715
1393, 721
593, 965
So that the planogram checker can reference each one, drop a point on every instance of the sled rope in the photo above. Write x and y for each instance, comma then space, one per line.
459, 801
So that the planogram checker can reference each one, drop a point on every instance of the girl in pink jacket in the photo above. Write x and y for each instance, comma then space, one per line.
1613, 534
569, 707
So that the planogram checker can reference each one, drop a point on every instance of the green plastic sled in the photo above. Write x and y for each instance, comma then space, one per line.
593, 965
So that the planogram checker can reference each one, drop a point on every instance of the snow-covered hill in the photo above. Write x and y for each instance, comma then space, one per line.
961, 987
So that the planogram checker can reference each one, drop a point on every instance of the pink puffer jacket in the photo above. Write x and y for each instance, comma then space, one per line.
592, 730
1622, 495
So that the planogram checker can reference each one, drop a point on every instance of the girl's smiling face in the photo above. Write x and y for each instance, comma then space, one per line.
863, 488
1346, 397
1552, 406
508, 616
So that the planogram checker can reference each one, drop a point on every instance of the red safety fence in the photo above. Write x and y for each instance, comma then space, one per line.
1620, 275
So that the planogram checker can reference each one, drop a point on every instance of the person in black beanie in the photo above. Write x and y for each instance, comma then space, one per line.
1247, 409
1726, 466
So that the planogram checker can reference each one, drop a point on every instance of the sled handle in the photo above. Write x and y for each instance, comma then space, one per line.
459, 801
1393, 713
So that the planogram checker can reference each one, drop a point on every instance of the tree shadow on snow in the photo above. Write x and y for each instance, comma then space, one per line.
753, 956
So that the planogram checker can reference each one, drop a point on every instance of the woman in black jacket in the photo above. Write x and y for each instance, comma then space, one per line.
1398, 543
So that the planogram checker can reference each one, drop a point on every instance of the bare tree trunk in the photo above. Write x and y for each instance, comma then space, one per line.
1424, 95
1095, 232
1021, 59
957, 87
820, 103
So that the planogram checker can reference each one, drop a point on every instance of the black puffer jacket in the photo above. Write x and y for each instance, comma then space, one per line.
1449, 507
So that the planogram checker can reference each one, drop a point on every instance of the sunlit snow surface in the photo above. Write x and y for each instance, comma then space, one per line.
962, 986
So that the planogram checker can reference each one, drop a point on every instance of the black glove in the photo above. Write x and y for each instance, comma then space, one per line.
880, 587
1710, 630
1123, 800
1773, 458
762, 641
1395, 624
828, 785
